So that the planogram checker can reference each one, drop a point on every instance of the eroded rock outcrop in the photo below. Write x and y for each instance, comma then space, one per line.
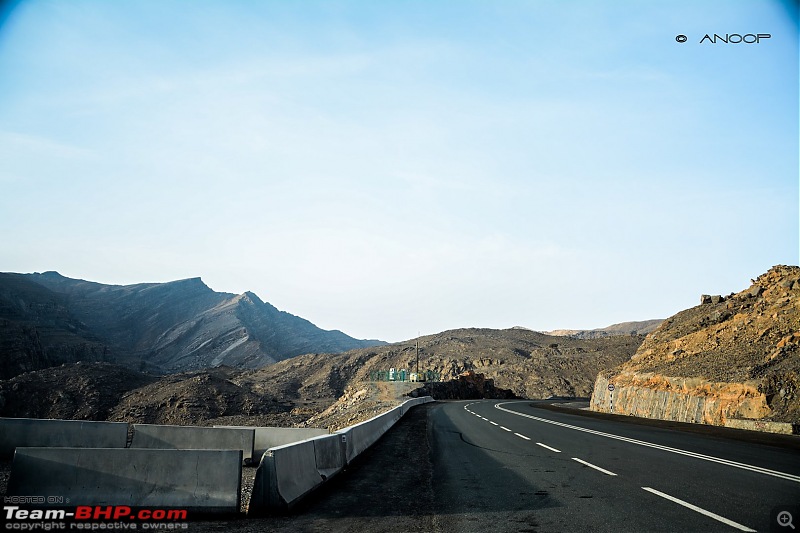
733, 357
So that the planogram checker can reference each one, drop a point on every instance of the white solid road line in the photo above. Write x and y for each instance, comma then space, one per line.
590, 465
700, 510
548, 447
503, 427
522, 436
758, 469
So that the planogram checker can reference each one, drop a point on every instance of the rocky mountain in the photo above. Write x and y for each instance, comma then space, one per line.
624, 328
305, 387
530, 364
731, 357
38, 330
48, 319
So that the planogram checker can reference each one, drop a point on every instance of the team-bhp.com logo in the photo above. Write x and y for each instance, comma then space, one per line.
729, 38
87, 517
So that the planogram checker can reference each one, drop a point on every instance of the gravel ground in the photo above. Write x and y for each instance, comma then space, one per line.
248, 477
5, 472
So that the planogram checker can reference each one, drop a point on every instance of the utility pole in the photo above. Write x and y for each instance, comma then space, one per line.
418, 355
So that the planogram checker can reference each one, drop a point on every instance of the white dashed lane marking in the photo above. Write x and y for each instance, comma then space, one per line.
752, 468
548, 447
699, 510
590, 465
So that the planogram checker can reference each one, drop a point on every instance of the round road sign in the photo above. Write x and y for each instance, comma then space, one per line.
611, 387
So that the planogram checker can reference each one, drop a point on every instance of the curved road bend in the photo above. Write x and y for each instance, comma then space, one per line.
512, 466
497, 466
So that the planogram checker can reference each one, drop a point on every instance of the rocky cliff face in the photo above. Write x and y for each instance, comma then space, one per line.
729, 357
48, 319
38, 330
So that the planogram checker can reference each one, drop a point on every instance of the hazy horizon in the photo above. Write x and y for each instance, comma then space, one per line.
385, 169
289, 311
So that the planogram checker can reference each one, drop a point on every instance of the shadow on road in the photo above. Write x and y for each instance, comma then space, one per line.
394, 486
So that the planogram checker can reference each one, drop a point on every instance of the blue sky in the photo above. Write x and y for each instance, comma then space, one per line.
388, 168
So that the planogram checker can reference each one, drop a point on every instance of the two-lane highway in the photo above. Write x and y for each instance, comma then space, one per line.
511, 466
499, 466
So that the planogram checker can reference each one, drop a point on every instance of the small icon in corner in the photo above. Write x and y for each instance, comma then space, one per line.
681, 38
785, 519
781, 519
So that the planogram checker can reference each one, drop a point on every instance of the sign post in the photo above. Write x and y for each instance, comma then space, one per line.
611, 390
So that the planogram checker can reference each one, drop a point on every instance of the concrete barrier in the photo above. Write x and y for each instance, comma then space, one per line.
412, 403
329, 453
288, 473
269, 437
361, 436
193, 438
37, 432
164, 479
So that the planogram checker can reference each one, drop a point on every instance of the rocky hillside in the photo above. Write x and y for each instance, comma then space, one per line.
80, 391
48, 319
624, 328
102, 391
731, 356
295, 390
38, 330
530, 364
467, 386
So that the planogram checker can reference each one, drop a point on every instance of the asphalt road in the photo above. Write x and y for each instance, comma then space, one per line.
502, 466
513, 466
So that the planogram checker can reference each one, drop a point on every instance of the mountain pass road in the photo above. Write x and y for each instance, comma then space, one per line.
544, 470
523, 466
